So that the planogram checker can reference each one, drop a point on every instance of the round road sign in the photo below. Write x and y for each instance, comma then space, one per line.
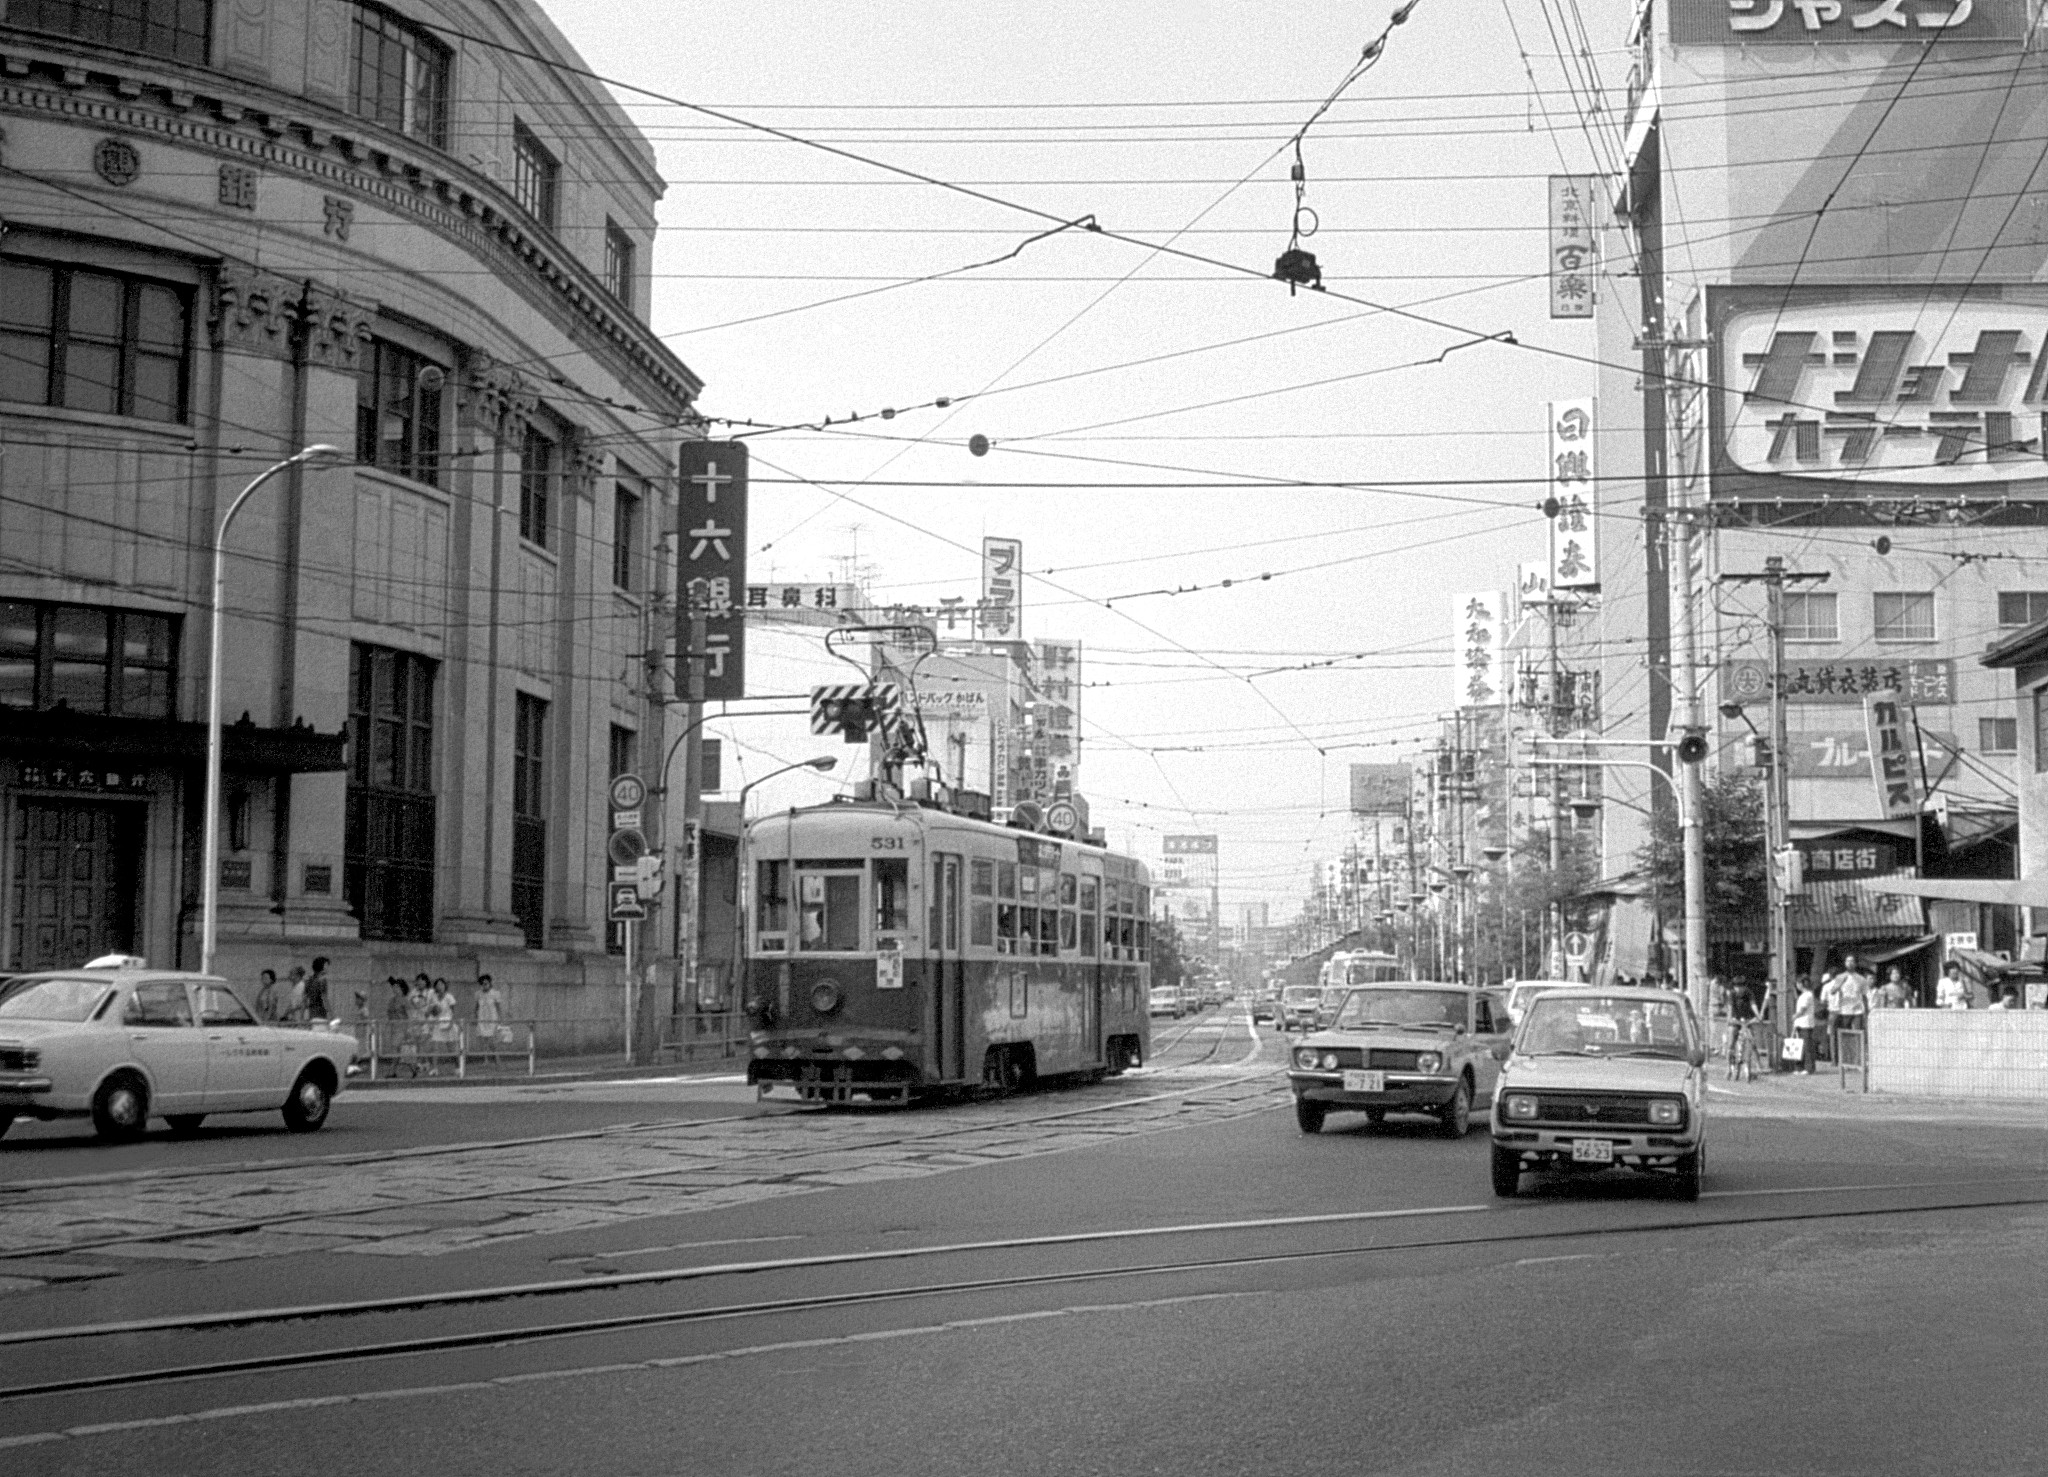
1577, 948
1061, 818
628, 792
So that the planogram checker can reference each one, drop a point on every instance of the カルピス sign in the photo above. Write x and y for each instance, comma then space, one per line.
1894, 756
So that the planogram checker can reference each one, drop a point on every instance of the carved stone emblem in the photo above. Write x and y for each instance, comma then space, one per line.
115, 161
341, 215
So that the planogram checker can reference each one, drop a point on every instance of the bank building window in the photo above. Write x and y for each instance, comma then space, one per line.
177, 30
529, 819
535, 174
398, 412
536, 473
618, 264
388, 871
87, 660
93, 341
401, 76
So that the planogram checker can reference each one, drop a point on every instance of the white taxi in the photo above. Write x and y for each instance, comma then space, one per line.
126, 1043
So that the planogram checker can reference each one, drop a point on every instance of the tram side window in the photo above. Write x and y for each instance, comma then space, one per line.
892, 895
1006, 880
1144, 942
1049, 931
1070, 930
828, 906
771, 892
1006, 928
1090, 897
981, 915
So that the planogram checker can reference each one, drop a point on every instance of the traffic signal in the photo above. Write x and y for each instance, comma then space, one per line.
1760, 752
853, 710
1693, 748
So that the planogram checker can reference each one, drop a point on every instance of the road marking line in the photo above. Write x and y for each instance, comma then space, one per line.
506, 1383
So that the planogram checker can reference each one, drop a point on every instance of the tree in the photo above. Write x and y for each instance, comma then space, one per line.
1732, 819
1168, 951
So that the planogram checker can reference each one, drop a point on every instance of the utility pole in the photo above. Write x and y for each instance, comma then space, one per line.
1778, 818
1553, 967
1691, 819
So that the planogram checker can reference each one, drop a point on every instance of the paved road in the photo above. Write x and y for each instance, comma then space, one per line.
1598, 1327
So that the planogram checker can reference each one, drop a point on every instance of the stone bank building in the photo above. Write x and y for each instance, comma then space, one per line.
230, 229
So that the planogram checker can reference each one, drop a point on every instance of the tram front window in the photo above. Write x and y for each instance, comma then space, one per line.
772, 900
828, 905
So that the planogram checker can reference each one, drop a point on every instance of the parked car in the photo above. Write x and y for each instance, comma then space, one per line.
1266, 1006
1165, 1000
1298, 1007
1401, 1047
1600, 1078
125, 1044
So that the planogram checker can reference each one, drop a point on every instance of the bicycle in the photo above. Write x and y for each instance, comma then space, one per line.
1745, 1061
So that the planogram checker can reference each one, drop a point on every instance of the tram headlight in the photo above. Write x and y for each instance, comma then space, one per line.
825, 997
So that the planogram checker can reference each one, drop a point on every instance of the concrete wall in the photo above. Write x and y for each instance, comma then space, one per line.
1960, 1053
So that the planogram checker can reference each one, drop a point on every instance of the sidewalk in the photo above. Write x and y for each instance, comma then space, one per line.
1824, 1095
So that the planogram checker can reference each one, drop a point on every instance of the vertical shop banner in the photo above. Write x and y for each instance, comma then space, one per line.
1477, 679
711, 561
1894, 756
1573, 248
1532, 586
1574, 547
1001, 612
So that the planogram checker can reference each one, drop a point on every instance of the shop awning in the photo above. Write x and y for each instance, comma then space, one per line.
2029, 892
1908, 827
1842, 912
62, 735
1886, 953
1985, 963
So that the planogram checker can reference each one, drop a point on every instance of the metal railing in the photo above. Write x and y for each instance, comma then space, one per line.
700, 1035
388, 1049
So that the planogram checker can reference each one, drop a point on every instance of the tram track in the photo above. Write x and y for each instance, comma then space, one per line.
652, 1176
1502, 1226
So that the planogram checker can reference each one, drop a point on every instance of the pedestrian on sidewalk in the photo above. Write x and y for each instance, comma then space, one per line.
398, 1024
490, 1012
419, 1006
295, 994
1895, 995
1804, 1013
1953, 993
316, 991
266, 997
1851, 1006
447, 1035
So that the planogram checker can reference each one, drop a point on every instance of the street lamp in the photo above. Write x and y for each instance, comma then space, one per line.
209, 887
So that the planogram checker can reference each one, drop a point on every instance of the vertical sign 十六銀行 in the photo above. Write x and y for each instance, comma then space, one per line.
711, 560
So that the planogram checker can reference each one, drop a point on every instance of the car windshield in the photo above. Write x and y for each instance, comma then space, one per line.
55, 1000
1299, 994
1367, 1009
1605, 1026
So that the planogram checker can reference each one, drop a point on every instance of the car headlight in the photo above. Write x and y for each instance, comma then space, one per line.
1429, 1061
1517, 1105
1665, 1111
1305, 1060
1329, 1061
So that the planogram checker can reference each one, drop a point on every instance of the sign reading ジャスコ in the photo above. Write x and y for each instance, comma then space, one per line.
1747, 22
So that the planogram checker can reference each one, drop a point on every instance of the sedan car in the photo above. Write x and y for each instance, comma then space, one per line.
1600, 1078
1409, 1047
1297, 1008
1164, 1000
1521, 992
127, 1044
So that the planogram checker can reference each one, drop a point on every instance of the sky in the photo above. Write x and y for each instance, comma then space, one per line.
1252, 507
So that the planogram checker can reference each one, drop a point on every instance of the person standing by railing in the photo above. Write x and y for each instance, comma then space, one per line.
1804, 1011
490, 1013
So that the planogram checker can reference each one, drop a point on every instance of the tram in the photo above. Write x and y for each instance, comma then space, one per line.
895, 950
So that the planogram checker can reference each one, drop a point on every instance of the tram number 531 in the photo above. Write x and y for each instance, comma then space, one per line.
885, 843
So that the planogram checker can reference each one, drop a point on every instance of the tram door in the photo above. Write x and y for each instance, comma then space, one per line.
949, 969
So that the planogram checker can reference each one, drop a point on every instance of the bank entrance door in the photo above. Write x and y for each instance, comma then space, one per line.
74, 882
